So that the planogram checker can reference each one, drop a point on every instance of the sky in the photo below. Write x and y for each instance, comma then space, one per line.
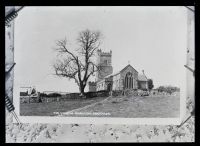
153, 39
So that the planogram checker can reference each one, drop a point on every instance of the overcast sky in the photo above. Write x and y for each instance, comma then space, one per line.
151, 38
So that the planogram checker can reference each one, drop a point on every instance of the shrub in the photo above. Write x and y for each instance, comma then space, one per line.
117, 92
125, 99
115, 102
43, 95
143, 93
150, 84
102, 93
168, 89
132, 92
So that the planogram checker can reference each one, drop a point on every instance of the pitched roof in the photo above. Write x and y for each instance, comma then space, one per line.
127, 67
142, 77
124, 69
117, 72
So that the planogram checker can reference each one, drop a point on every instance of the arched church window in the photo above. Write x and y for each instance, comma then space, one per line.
132, 82
126, 82
129, 80
105, 62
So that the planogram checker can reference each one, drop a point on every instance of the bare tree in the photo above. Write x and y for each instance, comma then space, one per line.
78, 65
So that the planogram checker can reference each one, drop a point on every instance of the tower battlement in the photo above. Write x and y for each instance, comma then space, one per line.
104, 61
100, 52
92, 83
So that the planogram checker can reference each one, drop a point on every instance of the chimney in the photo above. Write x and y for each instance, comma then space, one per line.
143, 72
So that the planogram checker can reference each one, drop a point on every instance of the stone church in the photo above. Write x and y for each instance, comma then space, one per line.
126, 78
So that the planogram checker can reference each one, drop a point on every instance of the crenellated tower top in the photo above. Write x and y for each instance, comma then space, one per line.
104, 60
100, 52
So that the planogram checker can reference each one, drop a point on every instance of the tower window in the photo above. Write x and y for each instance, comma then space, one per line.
105, 62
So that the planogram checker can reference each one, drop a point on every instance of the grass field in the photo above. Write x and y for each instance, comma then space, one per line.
138, 107
127, 107
48, 108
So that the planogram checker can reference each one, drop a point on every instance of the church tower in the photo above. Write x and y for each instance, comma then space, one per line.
105, 64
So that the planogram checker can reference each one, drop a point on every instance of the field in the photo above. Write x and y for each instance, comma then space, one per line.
48, 108
162, 106
138, 107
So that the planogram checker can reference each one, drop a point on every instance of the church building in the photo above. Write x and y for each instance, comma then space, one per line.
126, 78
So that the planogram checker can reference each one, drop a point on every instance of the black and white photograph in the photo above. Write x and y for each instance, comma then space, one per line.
101, 64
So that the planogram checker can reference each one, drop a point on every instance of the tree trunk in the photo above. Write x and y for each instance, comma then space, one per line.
81, 88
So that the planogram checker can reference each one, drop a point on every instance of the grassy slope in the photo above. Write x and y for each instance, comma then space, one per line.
140, 107
127, 107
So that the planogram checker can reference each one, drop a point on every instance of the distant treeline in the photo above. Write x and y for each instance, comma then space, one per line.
168, 89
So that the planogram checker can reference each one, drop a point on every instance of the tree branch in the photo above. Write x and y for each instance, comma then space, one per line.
73, 67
